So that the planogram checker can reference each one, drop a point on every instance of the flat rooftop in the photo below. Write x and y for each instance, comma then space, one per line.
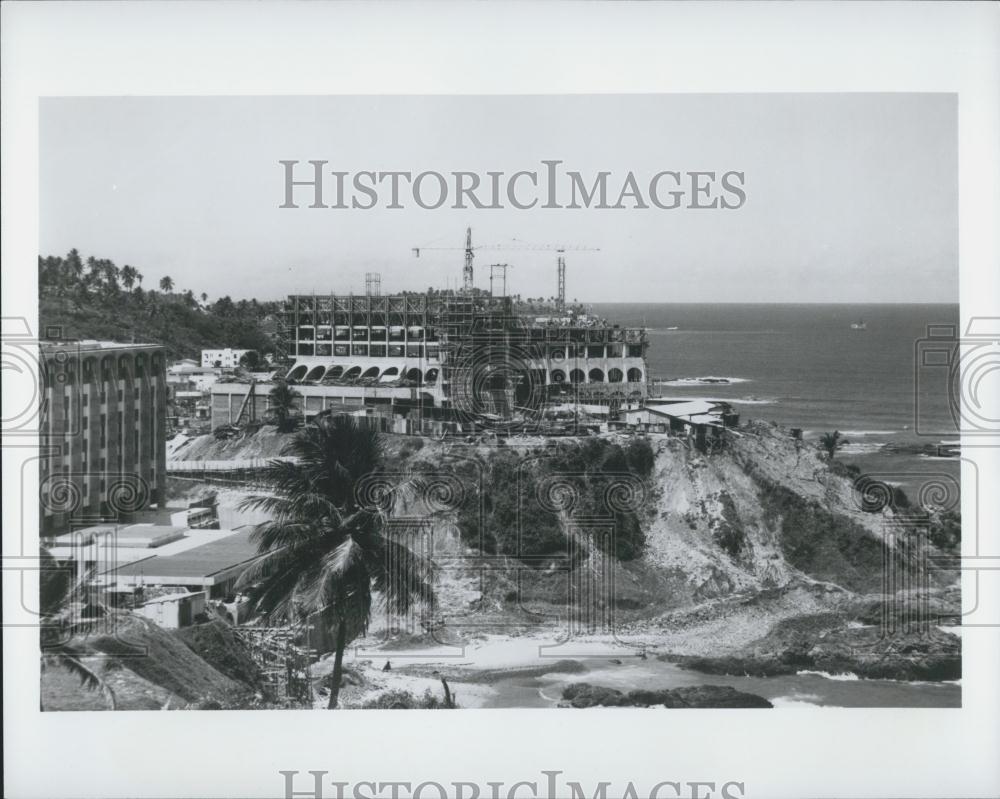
212, 561
90, 345
130, 535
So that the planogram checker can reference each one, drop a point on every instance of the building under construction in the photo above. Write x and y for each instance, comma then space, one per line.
463, 356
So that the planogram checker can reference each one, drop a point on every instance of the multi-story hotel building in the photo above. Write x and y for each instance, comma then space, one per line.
472, 353
103, 436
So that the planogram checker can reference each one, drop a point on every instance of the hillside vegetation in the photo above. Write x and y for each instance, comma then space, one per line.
96, 299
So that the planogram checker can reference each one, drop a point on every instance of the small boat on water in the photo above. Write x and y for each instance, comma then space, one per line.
673, 328
859, 325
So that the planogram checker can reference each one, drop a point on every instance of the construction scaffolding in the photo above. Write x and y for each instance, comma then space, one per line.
284, 664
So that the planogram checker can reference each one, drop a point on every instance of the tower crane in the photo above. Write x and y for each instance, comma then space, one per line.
467, 270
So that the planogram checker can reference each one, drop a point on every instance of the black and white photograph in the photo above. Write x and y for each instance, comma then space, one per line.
589, 402
330, 448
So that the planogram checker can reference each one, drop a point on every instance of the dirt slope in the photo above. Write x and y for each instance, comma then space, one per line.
145, 665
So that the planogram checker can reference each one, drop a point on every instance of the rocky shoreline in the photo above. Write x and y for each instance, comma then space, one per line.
824, 643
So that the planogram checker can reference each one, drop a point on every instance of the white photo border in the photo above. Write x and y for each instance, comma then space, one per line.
157, 48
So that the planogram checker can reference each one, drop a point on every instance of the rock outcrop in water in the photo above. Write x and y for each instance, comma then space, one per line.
583, 694
827, 643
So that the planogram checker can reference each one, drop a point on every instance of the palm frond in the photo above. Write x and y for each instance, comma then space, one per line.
70, 659
321, 553
347, 556
403, 577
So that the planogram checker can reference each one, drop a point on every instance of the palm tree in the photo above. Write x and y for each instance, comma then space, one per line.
204, 297
166, 284
57, 593
323, 554
283, 398
128, 276
831, 442
111, 273
96, 272
75, 264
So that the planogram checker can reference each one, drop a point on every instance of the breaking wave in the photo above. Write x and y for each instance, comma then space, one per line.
708, 380
844, 677
796, 700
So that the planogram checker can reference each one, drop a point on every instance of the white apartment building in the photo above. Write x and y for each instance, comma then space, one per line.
227, 358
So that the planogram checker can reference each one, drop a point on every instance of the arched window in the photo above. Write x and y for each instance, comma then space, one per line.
371, 371
390, 374
576, 376
316, 373
615, 375
431, 376
635, 375
353, 373
298, 372
334, 372
596, 376
558, 376
414, 374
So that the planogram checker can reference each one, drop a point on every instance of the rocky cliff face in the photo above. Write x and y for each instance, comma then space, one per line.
732, 542
713, 549
762, 513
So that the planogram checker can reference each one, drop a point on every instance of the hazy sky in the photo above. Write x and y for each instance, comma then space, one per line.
850, 197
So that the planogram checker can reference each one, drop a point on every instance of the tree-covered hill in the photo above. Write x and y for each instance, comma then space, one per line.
95, 299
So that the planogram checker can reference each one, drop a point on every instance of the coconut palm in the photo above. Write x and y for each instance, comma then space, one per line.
166, 284
282, 405
831, 442
57, 594
75, 264
323, 553
128, 276
111, 275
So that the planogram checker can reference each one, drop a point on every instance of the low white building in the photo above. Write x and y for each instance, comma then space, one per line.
174, 611
226, 359
198, 378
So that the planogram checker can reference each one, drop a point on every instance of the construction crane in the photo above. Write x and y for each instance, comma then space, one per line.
467, 271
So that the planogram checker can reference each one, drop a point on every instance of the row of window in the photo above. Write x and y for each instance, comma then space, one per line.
432, 352
378, 319
106, 373
418, 328
595, 351
596, 376
85, 484
103, 397
402, 334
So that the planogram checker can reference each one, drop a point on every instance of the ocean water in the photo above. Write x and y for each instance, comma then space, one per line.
802, 690
803, 365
